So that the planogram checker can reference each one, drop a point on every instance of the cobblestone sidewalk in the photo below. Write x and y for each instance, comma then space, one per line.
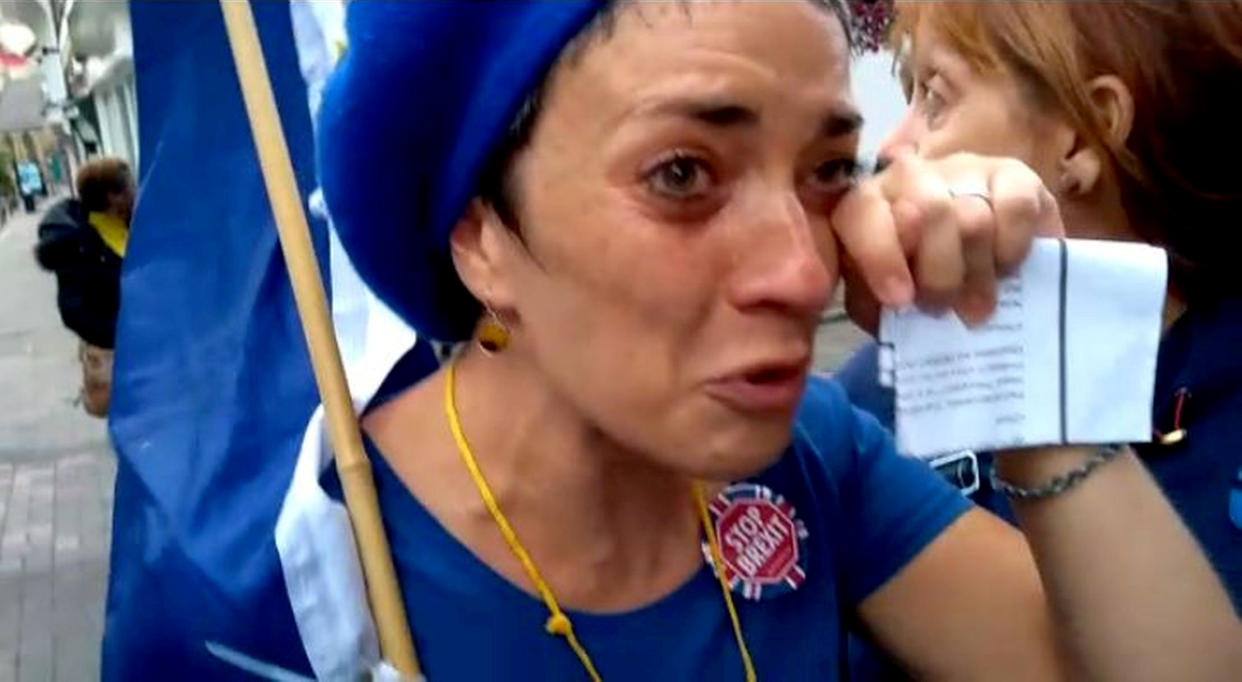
56, 476
53, 563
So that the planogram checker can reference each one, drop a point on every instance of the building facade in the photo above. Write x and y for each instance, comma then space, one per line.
97, 50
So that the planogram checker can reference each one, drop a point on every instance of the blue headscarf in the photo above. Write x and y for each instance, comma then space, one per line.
413, 113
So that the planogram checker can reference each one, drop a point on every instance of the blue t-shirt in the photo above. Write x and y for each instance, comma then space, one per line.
1200, 368
840, 474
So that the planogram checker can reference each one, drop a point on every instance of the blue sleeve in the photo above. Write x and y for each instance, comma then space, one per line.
890, 507
859, 376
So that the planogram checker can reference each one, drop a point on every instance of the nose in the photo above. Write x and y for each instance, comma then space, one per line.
904, 138
789, 264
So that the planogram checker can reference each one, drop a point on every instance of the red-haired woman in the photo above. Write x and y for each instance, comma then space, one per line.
1129, 112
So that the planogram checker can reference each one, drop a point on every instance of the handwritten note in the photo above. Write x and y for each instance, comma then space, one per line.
1069, 355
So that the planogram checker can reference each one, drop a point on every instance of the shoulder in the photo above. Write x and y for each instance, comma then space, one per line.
65, 213
61, 236
881, 507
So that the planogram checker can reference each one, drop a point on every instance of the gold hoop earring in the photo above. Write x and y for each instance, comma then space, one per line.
493, 334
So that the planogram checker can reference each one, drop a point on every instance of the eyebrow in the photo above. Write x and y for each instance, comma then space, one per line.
715, 114
842, 123
838, 123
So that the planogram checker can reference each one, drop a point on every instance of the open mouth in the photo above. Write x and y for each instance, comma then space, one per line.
768, 388
772, 375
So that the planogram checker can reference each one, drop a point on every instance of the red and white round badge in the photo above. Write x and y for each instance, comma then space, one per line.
762, 542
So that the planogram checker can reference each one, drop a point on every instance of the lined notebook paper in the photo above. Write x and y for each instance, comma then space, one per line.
1068, 357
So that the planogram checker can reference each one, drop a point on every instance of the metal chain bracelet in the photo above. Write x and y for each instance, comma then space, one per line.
1060, 483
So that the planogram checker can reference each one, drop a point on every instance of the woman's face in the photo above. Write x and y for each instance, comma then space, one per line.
955, 108
674, 204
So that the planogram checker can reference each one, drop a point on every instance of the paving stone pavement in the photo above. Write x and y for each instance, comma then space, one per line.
56, 474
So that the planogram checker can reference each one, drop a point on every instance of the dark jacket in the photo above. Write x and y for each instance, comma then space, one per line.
88, 273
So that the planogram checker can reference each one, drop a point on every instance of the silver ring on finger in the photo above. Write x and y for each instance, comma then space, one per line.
978, 190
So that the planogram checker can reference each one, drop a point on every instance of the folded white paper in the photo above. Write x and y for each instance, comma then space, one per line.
1068, 357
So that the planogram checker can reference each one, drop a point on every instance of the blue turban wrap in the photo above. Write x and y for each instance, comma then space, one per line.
426, 92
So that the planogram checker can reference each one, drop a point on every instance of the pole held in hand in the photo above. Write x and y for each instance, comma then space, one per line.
383, 592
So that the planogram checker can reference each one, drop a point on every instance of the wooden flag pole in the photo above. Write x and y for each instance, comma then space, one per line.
384, 594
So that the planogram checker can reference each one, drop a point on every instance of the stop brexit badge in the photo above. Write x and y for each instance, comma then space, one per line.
762, 542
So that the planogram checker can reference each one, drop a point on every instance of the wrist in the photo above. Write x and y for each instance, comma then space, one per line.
1043, 473
1032, 466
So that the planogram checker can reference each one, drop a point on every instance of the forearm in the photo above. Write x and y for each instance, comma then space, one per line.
1131, 592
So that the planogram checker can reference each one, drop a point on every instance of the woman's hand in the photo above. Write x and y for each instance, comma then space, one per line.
939, 233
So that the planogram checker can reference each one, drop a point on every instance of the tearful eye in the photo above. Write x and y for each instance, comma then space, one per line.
681, 177
837, 174
837, 170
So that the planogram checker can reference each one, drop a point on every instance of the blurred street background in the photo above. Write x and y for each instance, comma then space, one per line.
67, 95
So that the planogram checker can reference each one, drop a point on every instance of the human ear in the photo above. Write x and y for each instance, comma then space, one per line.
482, 248
1113, 107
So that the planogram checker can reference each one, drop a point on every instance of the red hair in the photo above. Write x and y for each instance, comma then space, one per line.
1182, 62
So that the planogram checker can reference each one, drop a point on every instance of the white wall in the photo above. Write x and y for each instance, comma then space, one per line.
118, 127
101, 35
879, 96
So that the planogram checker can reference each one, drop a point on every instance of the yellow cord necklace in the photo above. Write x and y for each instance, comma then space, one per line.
558, 623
